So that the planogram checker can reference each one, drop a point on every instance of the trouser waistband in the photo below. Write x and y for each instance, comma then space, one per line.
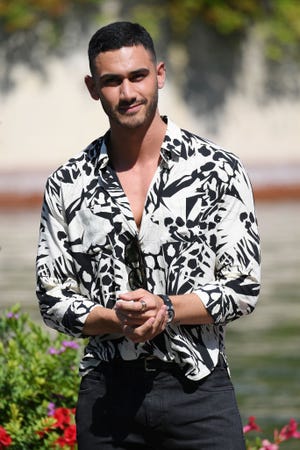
148, 364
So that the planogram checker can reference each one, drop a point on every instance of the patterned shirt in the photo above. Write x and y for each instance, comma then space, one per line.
198, 234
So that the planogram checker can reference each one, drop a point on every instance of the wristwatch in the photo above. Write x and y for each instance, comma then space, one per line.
170, 307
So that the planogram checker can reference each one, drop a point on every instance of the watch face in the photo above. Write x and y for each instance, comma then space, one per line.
171, 315
170, 309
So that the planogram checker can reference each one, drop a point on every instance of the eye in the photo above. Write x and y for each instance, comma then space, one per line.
111, 81
138, 76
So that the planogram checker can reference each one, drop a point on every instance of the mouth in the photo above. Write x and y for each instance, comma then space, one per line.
131, 108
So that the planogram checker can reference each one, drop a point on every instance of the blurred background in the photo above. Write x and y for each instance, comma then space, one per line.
233, 77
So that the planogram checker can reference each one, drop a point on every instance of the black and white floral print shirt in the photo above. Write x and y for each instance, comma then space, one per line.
198, 234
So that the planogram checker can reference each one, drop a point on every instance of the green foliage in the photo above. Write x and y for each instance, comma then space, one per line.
31, 31
42, 24
38, 390
20, 15
35, 371
281, 29
278, 21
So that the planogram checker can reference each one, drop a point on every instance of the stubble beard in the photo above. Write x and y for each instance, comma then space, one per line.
135, 120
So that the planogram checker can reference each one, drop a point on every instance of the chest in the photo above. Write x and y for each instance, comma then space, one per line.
162, 204
136, 184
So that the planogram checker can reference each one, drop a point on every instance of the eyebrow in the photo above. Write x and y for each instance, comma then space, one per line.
117, 75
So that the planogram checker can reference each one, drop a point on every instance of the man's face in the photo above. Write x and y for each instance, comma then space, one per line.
127, 81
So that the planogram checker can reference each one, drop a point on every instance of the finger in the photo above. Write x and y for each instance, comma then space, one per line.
133, 295
160, 320
143, 332
140, 310
128, 306
132, 318
131, 321
128, 331
151, 328
139, 333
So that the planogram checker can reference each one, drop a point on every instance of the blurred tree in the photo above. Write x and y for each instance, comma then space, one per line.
47, 20
203, 41
278, 21
31, 30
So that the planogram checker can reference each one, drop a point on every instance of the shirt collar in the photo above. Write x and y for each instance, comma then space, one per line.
103, 158
170, 149
171, 146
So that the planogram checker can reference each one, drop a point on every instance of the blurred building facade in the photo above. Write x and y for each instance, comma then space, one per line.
45, 121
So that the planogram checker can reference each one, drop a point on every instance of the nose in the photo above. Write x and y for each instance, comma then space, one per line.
126, 90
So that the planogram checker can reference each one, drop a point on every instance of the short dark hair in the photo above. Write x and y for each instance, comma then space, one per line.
117, 35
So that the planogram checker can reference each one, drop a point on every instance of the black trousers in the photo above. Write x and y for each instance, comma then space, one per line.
130, 408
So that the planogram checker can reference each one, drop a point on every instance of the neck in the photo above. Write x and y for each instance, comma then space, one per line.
132, 147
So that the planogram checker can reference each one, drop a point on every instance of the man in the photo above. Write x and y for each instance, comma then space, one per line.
149, 247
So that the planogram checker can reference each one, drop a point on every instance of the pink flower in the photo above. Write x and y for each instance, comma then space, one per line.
54, 351
267, 445
289, 431
70, 344
51, 409
251, 425
65, 345
12, 315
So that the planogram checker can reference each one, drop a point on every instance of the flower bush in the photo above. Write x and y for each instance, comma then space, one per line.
38, 385
38, 390
288, 432
5, 439
59, 429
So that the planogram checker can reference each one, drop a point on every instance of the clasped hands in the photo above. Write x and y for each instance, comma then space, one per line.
142, 315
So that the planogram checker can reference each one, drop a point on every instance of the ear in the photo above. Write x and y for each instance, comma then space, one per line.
90, 84
161, 74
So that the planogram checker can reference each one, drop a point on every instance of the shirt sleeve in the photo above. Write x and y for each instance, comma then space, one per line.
62, 304
234, 291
